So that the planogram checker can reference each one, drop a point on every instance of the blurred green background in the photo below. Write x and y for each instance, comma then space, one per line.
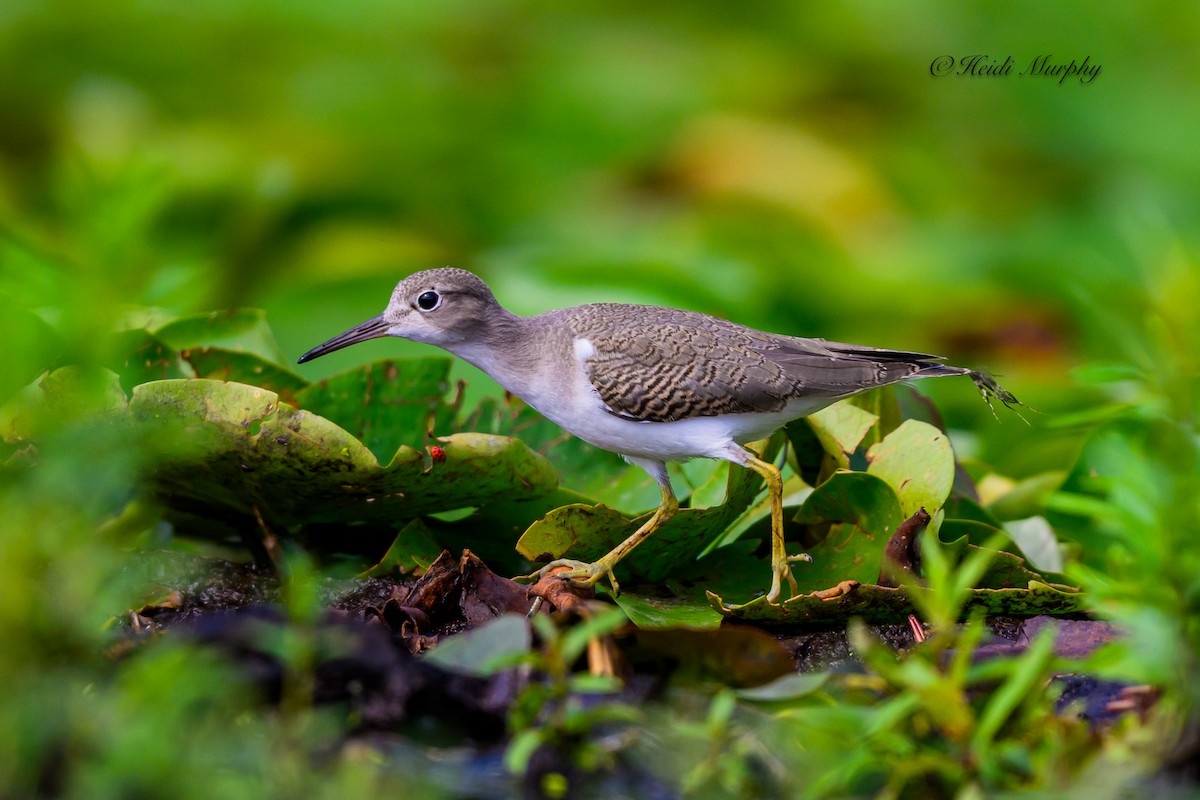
793, 167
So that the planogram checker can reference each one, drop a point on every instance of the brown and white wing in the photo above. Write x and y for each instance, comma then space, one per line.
671, 372
676, 370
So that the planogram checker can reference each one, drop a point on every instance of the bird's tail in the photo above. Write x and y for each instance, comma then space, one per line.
928, 366
983, 381
990, 389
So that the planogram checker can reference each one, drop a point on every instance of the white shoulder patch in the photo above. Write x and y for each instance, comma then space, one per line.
584, 349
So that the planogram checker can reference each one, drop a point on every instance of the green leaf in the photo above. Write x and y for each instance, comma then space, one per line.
30, 343
1037, 542
917, 461
413, 550
386, 404
1008, 568
140, 357
883, 404
218, 363
878, 604
840, 428
236, 447
243, 330
788, 688
651, 612
1027, 498
954, 531
485, 650
858, 513
959, 507
67, 395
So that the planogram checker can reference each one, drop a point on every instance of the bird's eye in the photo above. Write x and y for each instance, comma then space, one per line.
428, 301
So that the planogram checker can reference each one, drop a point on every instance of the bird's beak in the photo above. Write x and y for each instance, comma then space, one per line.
373, 328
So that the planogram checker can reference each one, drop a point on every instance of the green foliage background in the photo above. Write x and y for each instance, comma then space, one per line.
793, 167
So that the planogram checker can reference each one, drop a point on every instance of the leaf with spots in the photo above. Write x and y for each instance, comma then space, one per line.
217, 363
882, 605
139, 356
243, 330
853, 514
917, 462
236, 449
387, 404
840, 428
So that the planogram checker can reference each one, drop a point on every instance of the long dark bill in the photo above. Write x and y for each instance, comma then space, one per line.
373, 328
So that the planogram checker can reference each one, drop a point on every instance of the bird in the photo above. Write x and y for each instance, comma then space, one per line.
653, 384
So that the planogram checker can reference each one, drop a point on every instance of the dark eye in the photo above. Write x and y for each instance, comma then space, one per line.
428, 301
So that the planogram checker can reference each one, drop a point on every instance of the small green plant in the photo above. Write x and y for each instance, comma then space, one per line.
564, 709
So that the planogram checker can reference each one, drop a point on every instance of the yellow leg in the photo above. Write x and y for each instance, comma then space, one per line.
780, 561
585, 574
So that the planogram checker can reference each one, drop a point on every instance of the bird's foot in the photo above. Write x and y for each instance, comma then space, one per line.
781, 570
580, 573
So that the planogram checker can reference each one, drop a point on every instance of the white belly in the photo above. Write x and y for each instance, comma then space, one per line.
707, 437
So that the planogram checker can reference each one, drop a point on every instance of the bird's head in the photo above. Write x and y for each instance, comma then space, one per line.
446, 307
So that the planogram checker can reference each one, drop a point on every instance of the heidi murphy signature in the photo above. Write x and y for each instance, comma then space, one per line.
983, 66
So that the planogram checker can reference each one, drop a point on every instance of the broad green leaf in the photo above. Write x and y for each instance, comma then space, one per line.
918, 463
485, 650
65, 396
914, 405
650, 612
1006, 569
491, 531
964, 508
1028, 497
236, 447
840, 428
218, 363
30, 345
78, 391
507, 519
386, 404
140, 357
970, 531
795, 492
967, 522
786, 689
857, 514
710, 490
807, 456
883, 404
1037, 541
243, 329
413, 550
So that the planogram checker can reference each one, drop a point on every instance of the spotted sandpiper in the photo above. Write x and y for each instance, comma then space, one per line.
652, 384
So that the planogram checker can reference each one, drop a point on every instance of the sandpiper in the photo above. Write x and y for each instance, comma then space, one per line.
652, 384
